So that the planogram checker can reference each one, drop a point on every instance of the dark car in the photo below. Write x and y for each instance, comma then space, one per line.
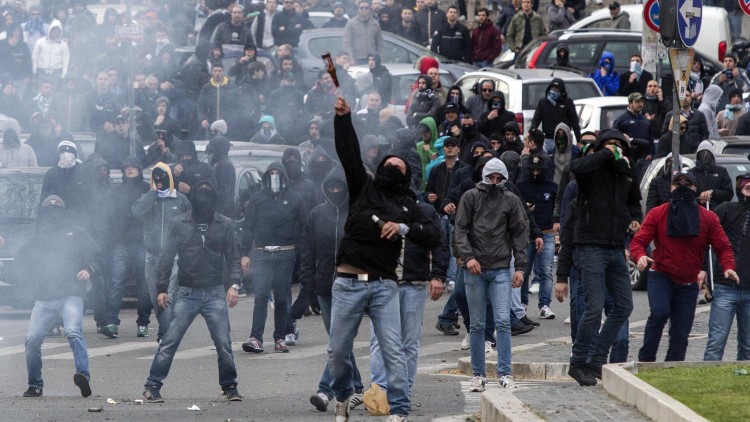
315, 42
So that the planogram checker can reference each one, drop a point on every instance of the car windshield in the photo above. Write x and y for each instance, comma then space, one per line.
257, 161
742, 149
532, 92
609, 114
20, 193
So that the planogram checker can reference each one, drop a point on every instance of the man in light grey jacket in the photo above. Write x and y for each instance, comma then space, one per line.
362, 35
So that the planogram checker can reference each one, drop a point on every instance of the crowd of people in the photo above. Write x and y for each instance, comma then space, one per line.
368, 213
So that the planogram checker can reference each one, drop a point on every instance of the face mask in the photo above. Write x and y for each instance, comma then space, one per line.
705, 160
497, 105
454, 99
337, 198
562, 59
391, 179
203, 201
469, 130
276, 183
553, 97
561, 143
319, 169
293, 169
67, 160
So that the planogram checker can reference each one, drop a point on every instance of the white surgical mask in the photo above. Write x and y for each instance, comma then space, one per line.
276, 184
67, 160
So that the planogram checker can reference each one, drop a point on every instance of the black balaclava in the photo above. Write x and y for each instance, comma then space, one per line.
389, 178
337, 198
704, 160
684, 217
320, 168
159, 175
292, 163
561, 141
203, 200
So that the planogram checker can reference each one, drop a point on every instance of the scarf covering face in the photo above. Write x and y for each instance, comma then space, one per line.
729, 110
683, 219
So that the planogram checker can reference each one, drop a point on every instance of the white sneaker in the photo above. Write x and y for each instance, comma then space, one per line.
487, 347
342, 411
534, 289
507, 381
477, 384
290, 340
546, 313
465, 343
567, 320
396, 418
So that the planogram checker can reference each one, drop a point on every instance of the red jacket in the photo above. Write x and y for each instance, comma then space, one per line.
681, 258
485, 42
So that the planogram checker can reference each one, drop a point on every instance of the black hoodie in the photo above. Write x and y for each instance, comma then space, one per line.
439, 115
304, 187
272, 219
734, 217
123, 227
226, 179
489, 126
550, 115
381, 79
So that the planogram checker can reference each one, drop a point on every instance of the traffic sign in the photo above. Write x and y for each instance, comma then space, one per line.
651, 14
681, 60
745, 6
129, 32
689, 17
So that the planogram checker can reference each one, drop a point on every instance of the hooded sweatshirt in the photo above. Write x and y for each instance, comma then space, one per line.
425, 154
488, 126
563, 156
124, 227
424, 104
609, 84
549, 113
156, 213
711, 97
711, 176
51, 54
733, 217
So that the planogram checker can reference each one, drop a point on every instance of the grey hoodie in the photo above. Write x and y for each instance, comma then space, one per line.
711, 97
562, 158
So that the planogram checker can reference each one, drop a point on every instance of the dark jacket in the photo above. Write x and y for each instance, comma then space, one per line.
304, 187
633, 125
716, 178
321, 237
403, 147
193, 171
216, 100
659, 190
453, 42
115, 148
202, 256
381, 80
639, 85
429, 19
608, 199
659, 109
226, 33
549, 115
734, 218
540, 192
76, 188
123, 226
697, 130
489, 126
272, 219
362, 246
423, 264
567, 232
439, 182
293, 25
413, 32
486, 44
523, 168
425, 104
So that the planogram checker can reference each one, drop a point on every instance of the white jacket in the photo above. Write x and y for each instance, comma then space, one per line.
51, 54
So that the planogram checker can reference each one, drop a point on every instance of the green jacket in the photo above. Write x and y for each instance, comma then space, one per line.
516, 27
425, 156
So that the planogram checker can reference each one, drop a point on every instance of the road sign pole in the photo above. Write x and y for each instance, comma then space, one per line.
676, 160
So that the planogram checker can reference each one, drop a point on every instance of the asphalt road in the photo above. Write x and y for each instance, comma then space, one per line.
276, 387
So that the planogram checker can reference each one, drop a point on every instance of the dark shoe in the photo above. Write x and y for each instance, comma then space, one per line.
579, 372
111, 331
456, 325
142, 331
595, 369
252, 345
320, 401
528, 321
83, 383
231, 394
33, 392
521, 328
152, 395
448, 330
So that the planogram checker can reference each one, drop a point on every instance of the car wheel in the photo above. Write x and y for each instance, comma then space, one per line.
638, 279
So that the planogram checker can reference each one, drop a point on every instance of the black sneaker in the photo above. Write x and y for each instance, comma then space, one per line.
231, 394
152, 395
83, 383
579, 372
528, 321
448, 330
521, 328
595, 369
33, 392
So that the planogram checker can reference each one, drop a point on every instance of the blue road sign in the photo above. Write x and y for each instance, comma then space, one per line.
689, 17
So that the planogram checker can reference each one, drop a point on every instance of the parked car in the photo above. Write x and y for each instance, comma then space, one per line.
597, 113
524, 87
404, 76
714, 39
739, 145
315, 42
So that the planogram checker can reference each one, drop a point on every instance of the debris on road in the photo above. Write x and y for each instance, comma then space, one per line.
111, 401
95, 409
193, 407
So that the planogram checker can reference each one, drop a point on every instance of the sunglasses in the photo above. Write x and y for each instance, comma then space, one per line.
486, 90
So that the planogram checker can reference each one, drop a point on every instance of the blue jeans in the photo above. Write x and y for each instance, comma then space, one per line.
127, 259
492, 286
164, 316
447, 232
43, 316
351, 298
411, 301
673, 302
458, 296
541, 263
621, 345
272, 271
602, 269
324, 386
577, 301
211, 303
728, 302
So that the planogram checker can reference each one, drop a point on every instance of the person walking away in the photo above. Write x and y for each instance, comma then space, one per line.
681, 232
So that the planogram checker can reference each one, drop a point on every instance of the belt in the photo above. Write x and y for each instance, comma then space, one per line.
276, 248
359, 277
548, 231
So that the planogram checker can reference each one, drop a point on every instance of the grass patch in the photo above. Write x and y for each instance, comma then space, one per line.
714, 392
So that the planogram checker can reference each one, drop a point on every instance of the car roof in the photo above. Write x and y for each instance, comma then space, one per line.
395, 69
529, 75
598, 33
603, 101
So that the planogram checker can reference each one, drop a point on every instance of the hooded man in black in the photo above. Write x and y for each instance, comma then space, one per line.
555, 108
424, 101
189, 170
205, 243
298, 181
318, 166
381, 210
128, 251
713, 182
563, 56
217, 152
493, 120
71, 181
381, 77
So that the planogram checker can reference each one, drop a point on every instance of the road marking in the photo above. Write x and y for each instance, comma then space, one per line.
12, 350
108, 350
294, 352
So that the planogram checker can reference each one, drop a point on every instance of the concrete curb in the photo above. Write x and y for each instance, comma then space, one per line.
499, 405
619, 381
549, 371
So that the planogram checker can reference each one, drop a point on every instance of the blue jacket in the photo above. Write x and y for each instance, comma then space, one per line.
610, 83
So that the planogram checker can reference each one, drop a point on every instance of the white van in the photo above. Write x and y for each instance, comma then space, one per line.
714, 39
